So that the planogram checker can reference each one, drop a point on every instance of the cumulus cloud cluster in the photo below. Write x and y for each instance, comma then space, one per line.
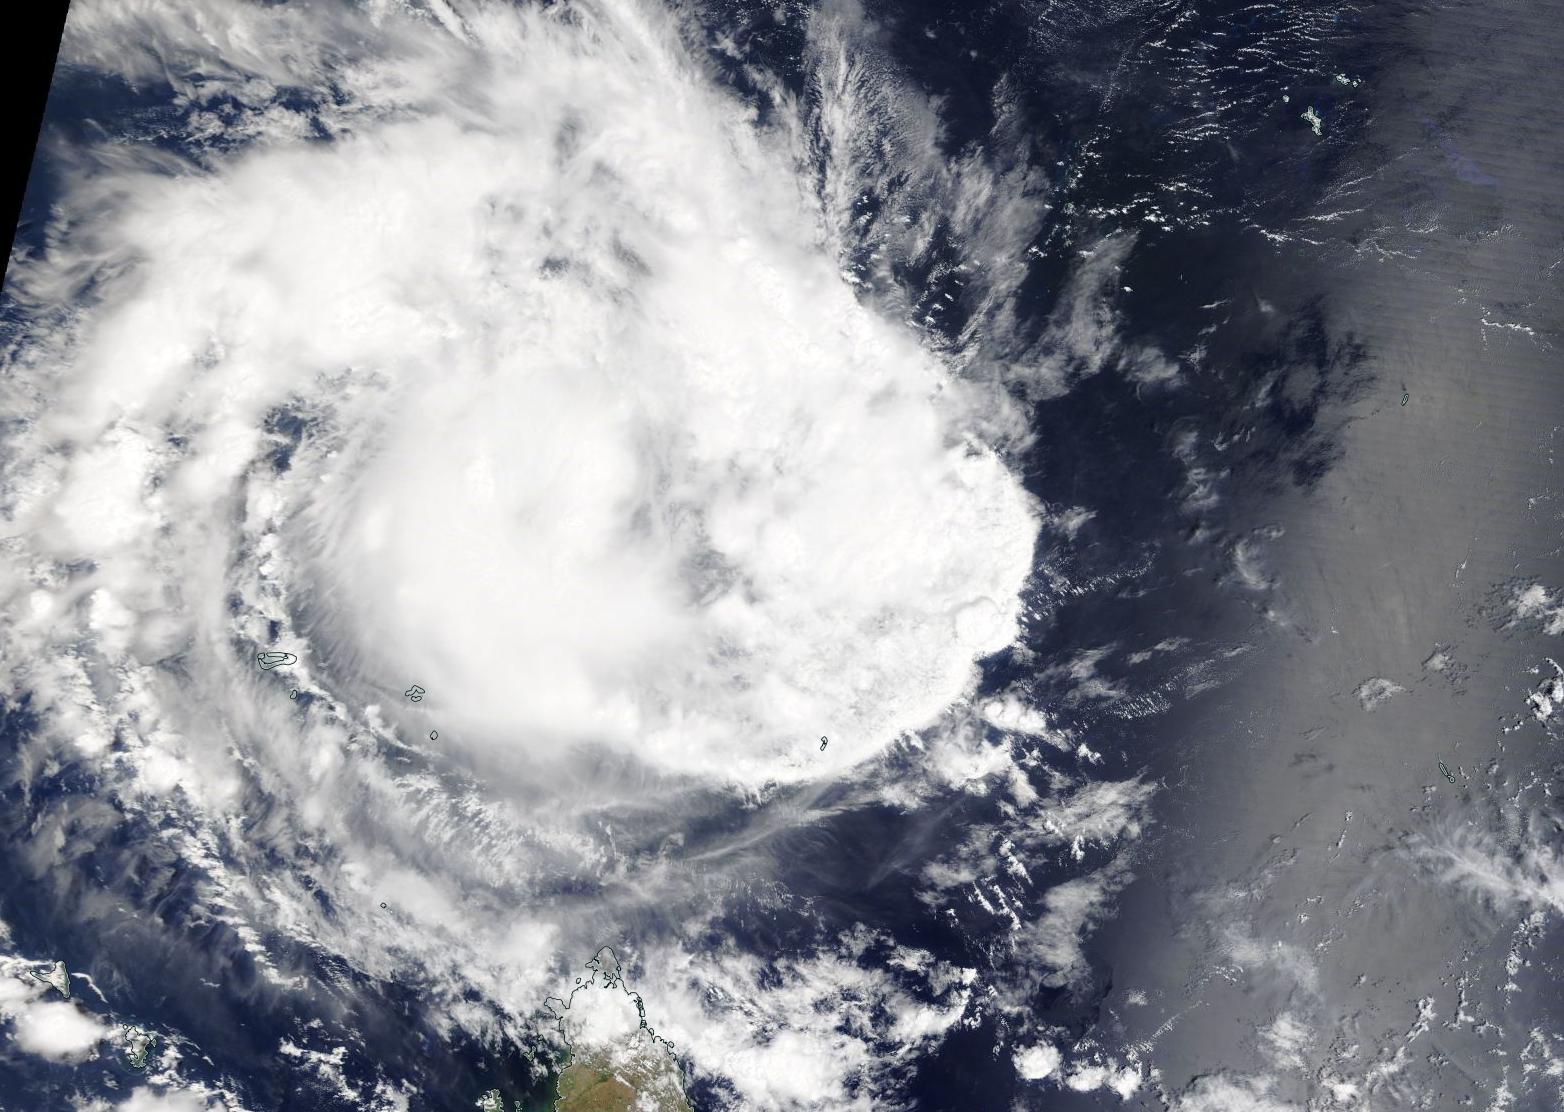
1228, 1092
1536, 605
832, 1029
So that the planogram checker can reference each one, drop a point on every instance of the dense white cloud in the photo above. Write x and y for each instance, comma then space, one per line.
1286, 1039
1535, 603
834, 1029
1376, 690
1091, 1071
1099, 812
1011, 713
148, 1099
1086, 1077
602, 449
1222, 1092
40, 1021
597, 445
56, 1029
1034, 1063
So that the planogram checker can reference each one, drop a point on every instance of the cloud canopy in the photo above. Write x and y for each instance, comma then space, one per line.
589, 435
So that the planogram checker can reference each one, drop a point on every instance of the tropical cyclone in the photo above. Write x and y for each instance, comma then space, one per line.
525, 381
578, 397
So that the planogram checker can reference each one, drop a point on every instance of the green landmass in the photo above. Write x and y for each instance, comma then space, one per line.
58, 977
631, 1079
638, 1075
138, 1043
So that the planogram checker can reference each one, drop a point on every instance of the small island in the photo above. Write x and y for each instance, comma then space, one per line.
58, 977
138, 1044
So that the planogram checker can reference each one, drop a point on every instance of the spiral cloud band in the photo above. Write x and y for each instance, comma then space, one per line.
516, 365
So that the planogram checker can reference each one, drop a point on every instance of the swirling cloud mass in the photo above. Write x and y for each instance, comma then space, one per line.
587, 432
499, 351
